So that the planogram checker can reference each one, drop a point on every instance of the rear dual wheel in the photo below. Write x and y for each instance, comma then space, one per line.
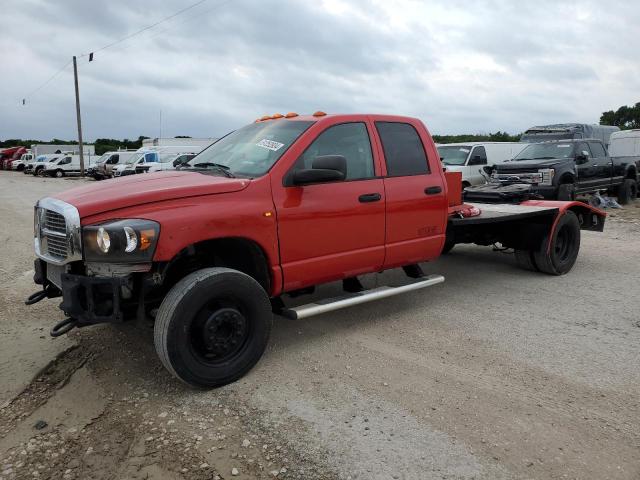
628, 191
213, 327
558, 251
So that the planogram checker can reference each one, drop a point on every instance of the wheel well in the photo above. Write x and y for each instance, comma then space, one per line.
631, 173
465, 184
566, 178
237, 253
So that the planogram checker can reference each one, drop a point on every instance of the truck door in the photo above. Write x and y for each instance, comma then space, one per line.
416, 199
602, 164
587, 168
332, 227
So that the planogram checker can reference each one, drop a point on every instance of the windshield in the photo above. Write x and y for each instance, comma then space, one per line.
539, 151
454, 155
134, 158
252, 150
103, 158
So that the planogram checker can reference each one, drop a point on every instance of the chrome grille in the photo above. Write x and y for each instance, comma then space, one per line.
55, 222
56, 246
57, 232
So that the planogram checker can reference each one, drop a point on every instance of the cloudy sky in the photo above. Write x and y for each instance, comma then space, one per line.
460, 66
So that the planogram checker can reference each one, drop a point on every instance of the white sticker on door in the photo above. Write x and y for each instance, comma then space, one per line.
270, 144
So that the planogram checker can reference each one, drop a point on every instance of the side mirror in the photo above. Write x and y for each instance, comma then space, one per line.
581, 158
488, 169
325, 168
477, 160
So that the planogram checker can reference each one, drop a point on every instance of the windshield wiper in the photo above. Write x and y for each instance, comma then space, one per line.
226, 171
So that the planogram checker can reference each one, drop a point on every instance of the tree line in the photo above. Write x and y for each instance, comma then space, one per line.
624, 117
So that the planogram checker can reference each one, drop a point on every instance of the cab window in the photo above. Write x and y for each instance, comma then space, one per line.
351, 140
403, 149
478, 156
597, 149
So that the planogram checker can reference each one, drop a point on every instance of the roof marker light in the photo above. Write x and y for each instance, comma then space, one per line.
277, 115
266, 117
291, 115
319, 114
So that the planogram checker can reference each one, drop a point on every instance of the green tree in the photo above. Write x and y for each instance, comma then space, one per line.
626, 117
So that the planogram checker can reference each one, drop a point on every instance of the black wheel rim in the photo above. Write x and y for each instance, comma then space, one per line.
564, 244
219, 333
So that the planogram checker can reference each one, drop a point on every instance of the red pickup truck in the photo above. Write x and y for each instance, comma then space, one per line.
210, 251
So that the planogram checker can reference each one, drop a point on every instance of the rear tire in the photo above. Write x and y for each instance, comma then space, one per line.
213, 327
567, 192
628, 191
559, 257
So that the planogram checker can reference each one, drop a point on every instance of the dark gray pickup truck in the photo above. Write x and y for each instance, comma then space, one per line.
558, 170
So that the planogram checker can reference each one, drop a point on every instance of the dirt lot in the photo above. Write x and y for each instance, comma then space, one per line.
496, 374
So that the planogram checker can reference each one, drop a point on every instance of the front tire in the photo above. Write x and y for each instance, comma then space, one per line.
59, 174
567, 192
559, 249
628, 191
212, 327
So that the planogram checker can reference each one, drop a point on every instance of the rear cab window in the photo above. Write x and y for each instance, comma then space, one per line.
404, 152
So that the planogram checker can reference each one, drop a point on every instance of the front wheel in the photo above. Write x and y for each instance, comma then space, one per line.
213, 327
559, 249
59, 174
628, 191
567, 192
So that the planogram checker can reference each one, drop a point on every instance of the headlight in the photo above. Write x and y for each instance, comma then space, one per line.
547, 176
120, 241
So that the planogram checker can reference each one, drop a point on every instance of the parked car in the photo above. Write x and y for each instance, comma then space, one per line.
65, 165
279, 206
36, 166
147, 157
103, 168
166, 161
563, 168
469, 158
568, 131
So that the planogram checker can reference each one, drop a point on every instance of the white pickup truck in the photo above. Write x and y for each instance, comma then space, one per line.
469, 158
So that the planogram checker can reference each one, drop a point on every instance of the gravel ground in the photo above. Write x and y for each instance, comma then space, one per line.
496, 374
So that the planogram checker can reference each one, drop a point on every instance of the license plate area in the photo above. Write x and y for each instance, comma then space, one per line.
54, 274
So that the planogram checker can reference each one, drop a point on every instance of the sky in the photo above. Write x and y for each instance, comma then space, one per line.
460, 66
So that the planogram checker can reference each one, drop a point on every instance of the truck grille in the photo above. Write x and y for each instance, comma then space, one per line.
56, 246
57, 232
55, 222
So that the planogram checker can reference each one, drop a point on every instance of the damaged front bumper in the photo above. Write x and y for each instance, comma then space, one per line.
86, 300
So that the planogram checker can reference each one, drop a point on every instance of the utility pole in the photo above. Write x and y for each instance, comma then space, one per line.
80, 147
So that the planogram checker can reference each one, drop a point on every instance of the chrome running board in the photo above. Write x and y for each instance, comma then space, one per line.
331, 304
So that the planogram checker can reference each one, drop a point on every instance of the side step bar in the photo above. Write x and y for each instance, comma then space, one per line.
331, 304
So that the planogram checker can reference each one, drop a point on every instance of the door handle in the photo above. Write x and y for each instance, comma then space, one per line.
432, 190
369, 197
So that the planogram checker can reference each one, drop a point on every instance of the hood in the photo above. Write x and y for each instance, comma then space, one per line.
531, 164
123, 192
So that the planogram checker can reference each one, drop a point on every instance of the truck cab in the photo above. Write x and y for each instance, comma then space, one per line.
20, 164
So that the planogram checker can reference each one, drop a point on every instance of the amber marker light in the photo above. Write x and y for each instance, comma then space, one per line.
291, 115
267, 214
319, 114
146, 238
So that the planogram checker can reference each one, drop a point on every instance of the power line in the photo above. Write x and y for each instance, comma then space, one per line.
49, 80
148, 27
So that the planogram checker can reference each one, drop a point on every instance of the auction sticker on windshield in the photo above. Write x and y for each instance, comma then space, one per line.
270, 144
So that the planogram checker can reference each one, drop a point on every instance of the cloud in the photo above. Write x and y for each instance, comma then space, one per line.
459, 66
